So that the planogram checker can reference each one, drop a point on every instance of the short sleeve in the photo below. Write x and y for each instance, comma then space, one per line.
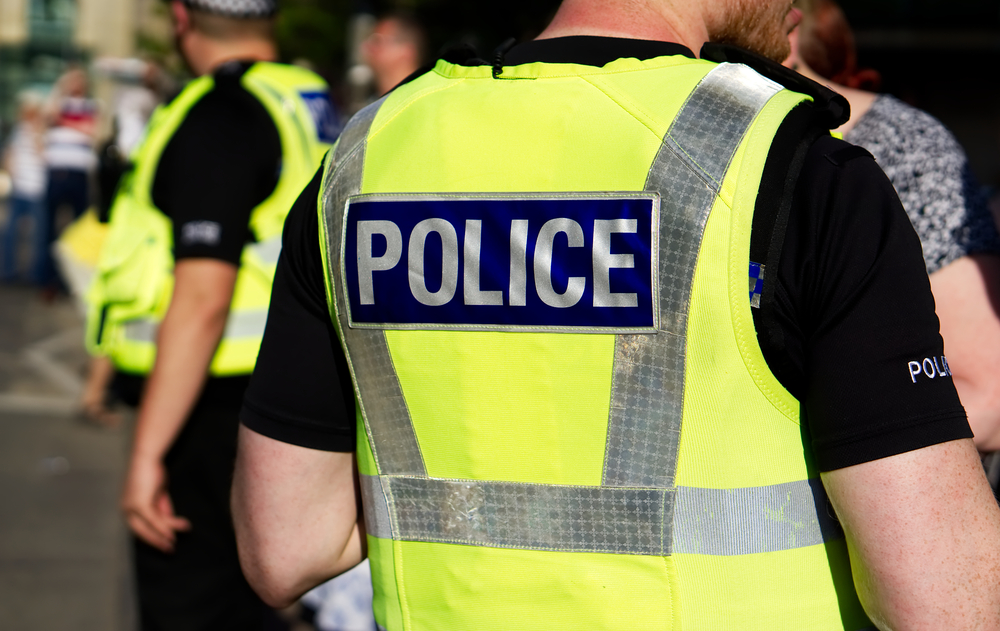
221, 163
859, 317
301, 391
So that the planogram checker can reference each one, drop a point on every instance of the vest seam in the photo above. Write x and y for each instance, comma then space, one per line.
618, 99
743, 339
373, 132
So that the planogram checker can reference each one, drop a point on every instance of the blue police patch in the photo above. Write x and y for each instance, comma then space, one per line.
574, 263
324, 115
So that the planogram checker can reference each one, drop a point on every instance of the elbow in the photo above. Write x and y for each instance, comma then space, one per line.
273, 590
276, 585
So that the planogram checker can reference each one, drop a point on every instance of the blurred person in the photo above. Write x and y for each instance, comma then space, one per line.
71, 159
943, 200
395, 49
24, 161
181, 296
595, 334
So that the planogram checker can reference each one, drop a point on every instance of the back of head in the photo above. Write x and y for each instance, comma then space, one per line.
826, 43
231, 20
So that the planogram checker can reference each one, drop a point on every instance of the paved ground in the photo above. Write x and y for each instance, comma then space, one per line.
63, 559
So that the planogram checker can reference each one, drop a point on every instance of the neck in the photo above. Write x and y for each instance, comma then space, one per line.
205, 55
681, 23
860, 100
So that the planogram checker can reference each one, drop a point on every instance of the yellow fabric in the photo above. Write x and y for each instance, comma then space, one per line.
135, 271
534, 408
84, 237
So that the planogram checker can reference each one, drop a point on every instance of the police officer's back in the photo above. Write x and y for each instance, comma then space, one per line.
590, 393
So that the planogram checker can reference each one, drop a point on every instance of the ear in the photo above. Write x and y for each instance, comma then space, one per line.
182, 18
793, 60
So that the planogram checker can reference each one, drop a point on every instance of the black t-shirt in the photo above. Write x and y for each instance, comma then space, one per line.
222, 162
852, 309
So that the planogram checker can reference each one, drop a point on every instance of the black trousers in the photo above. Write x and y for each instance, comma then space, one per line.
200, 586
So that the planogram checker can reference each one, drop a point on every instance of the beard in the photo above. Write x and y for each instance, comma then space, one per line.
757, 25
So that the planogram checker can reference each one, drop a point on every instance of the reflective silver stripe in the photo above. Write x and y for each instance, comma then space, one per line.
387, 419
376, 507
714, 522
525, 516
240, 325
267, 251
647, 395
730, 522
380, 627
143, 330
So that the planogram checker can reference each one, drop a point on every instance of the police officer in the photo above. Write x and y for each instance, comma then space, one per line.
620, 322
182, 292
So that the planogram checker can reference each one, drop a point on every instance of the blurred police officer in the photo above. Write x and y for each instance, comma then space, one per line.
182, 295
620, 322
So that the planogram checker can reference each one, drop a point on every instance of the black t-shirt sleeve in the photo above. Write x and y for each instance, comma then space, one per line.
301, 391
223, 161
862, 351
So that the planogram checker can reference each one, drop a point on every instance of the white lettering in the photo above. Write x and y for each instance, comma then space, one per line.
473, 253
449, 263
604, 261
944, 360
543, 263
518, 262
369, 264
914, 371
929, 368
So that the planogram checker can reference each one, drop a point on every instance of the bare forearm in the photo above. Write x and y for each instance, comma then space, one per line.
186, 344
296, 516
924, 535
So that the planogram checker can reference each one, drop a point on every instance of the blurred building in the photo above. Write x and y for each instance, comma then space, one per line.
39, 37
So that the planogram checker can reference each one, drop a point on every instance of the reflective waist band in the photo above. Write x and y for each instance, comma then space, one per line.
637, 521
239, 325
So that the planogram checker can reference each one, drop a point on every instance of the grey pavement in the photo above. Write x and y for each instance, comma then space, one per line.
63, 552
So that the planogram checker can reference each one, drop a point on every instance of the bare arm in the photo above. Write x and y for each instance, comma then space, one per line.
923, 530
186, 343
296, 516
967, 299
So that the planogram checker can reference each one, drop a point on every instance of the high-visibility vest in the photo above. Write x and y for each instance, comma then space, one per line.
529, 462
134, 281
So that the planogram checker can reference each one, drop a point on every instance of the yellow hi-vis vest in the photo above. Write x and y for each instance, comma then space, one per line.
520, 473
134, 281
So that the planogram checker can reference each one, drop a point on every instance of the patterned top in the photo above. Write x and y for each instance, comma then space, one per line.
931, 174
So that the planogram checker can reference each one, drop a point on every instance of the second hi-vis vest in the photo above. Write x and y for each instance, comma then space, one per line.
565, 420
134, 280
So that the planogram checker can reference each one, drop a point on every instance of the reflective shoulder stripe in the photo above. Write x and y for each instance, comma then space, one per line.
383, 408
713, 522
648, 385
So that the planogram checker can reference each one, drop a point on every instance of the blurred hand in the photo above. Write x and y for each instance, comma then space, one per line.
147, 507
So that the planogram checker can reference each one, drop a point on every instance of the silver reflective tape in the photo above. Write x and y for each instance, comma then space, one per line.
528, 516
647, 395
239, 325
245, 324
141, 330
718, 114
731, 522
380, 627
377, 521
387, 419
267, 251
